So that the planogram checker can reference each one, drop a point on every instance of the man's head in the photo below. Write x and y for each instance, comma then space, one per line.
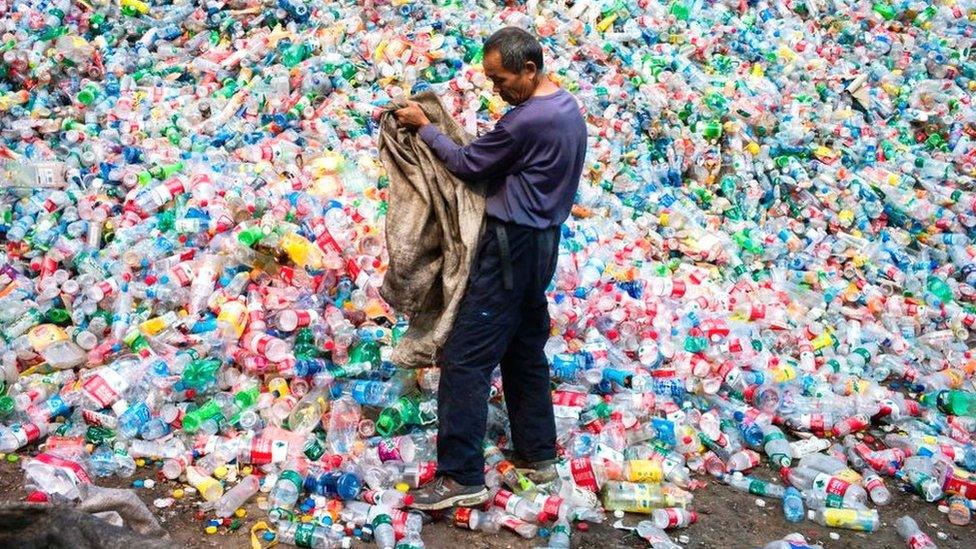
513, 62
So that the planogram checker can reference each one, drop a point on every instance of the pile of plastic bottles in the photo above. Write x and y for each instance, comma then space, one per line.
772, 243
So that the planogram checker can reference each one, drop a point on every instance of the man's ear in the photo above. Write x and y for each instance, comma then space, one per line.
530, 68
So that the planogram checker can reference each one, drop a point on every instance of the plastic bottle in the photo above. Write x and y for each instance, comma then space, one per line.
641, 498
959, 510
793, 508
234, 499
305, 534
673, 517
209, 488
865, 520
344, 418
913, 535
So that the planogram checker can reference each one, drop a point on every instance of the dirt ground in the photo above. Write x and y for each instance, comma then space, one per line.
727, 519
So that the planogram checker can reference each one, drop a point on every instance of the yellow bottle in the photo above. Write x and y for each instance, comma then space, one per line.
232, 319
157, 324
643, 470
302, 252
209, 487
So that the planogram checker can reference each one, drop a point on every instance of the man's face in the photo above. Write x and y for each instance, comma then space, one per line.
514, 88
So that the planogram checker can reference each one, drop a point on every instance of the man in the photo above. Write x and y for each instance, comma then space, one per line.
532, 160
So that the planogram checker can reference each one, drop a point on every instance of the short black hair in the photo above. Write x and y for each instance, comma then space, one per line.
516, 47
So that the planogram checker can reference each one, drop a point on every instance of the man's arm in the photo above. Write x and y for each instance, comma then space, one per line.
491, 155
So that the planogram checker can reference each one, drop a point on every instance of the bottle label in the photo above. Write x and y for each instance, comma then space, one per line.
920, 541
388, 450
304, 534
512, 502
569, 399
104, 387
501, 498
757, 487
643, 498
279, 451
75, 471
462, 517
832, 488
426, 472
674, 517
773, 435
261, 451
644, 470
583, 475
99, 419
963, 487
552, 505
510, 522
840, 518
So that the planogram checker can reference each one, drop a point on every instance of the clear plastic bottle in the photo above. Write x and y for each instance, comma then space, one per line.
865, 520
824, 484
913, 535
642, 498
876, 488
383, 533
305, 534
655, 536
343, 425
753, 485
233, 499
287, 489
673, 517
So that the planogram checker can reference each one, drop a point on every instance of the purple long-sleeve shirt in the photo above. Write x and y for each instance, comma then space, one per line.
532, 160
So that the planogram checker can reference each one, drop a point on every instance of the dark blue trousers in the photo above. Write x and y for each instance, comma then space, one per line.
503, 319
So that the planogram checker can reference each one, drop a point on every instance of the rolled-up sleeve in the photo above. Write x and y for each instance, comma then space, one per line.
491, 155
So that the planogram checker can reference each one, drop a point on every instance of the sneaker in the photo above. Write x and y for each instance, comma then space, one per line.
539, 472
445, 492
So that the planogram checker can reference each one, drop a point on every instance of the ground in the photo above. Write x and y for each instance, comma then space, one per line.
727, 519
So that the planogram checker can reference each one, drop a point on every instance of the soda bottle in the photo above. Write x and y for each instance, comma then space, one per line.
673, 517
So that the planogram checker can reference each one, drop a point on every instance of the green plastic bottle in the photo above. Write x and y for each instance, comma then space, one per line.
404, 412
952, 402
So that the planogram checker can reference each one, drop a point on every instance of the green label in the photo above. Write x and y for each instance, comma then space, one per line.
773, 435
304, 534
757, 487
292, 477
835, 501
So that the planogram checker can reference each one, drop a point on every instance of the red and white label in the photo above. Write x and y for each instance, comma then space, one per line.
569, 398
104, 387
261, 451
72, 468
583, 475
99, 419
501, 499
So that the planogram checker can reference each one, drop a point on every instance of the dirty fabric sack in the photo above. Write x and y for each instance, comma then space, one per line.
34, 525
433, 225
119, 507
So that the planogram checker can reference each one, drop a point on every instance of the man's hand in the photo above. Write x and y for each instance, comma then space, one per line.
411, 116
